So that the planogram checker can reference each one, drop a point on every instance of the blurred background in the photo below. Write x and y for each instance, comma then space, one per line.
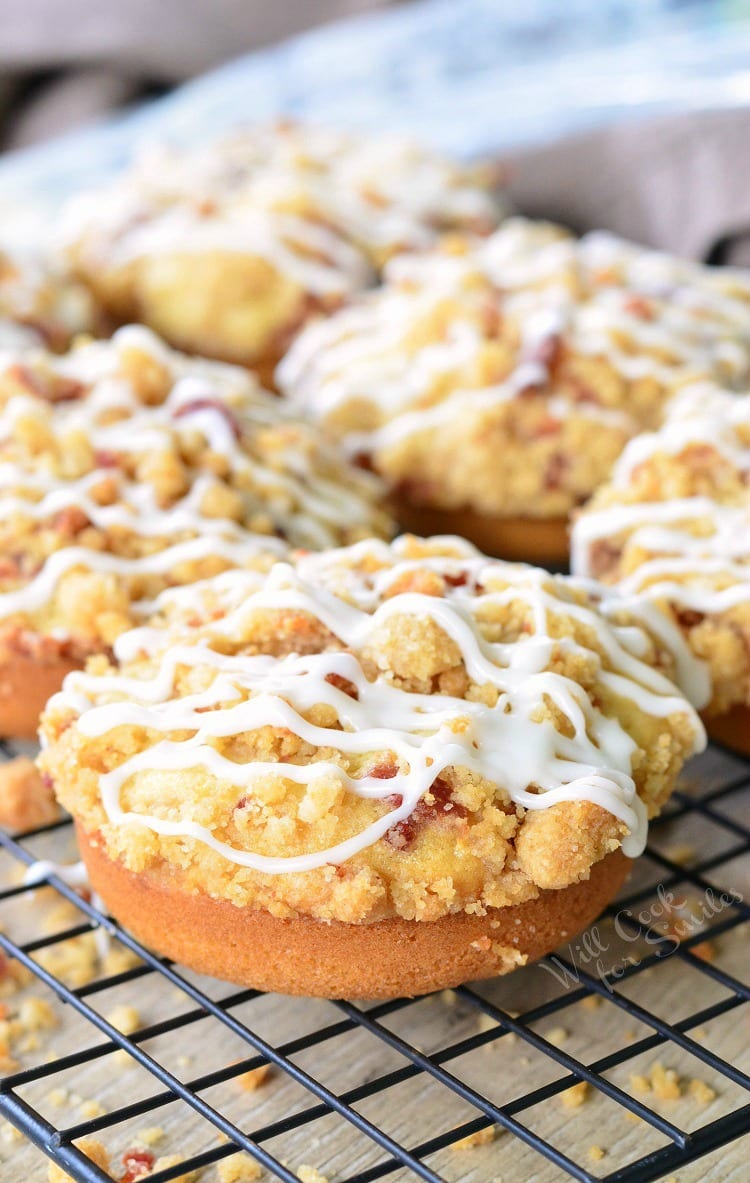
627, 113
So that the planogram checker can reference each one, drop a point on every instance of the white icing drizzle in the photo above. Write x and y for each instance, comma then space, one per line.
424, 733
313, 202
649, 315
289, 487
696, 548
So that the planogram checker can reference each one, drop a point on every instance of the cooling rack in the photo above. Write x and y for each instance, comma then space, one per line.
623, 1057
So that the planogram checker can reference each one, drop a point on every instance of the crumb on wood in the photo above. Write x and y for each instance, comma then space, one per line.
26, 800
575, 1096
238, 1168
596, 1153
124, 1018
701, 1092
254, 1078
479, 1138
557, 1036
92, 1149
308, 1174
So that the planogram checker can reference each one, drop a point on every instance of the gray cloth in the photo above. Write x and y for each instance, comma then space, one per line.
680, 183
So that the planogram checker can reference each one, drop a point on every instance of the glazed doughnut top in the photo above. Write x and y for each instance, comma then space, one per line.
322, 205
384, 730
553, 349
673, 525
126, 467
38, 305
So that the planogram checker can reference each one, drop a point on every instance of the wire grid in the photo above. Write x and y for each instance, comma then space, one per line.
197, 1012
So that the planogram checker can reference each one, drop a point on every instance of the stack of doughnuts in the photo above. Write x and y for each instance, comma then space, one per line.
402, 763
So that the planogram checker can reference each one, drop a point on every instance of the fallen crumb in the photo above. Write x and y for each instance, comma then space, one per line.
57, 1098
639, 1083
92, 1149
557, 1036
681, 853
238, 1168
479, 1138
37, 1014
150, 1135
591, 1002
173, 1160
26, 800
702, 1092
253, 1079
91, 1109
596, 1154
575, 1096
125, 1019
308, 1174
665, 1082
448, 997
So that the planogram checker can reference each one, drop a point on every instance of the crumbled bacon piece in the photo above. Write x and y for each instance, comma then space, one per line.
103, 459
70, 521
546, 352
555, 470
384, 771
401, 835
640, 307
342, 684
603, 557
459, 580
211, 404
688, 617
138, 1164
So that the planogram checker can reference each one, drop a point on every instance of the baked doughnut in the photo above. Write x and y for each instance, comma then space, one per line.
126, 468
493, 384
372, 771
673, 526
227, 249
40, 304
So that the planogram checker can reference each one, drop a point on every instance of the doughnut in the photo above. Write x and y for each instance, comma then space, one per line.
40, 304
673, 527
370, 771
125, 468
498, 380
226, 249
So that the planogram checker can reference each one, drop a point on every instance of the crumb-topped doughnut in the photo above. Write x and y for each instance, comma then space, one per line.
39, 303
673, 525
126, 468
493, 384
372, 771
227, 248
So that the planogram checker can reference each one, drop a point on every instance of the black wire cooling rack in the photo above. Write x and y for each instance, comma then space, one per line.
418, 1075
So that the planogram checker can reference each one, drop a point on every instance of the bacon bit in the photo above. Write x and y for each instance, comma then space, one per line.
206, 207
546, 426
104, 459
688, 618
138, 1163
210, 404
383, 771
555, 470
492, 319
581, 392
640, 307
363, 460
546, 352
70, 521
459, 580
604, 557
343, 684
56, 390
243, 802
402, 834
